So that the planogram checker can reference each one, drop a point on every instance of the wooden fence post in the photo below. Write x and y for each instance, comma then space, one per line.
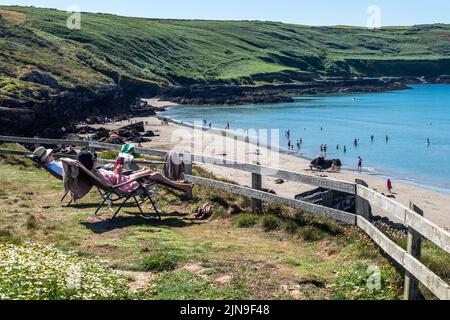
188, 170
362, 206
257, 185
188, 165
414, 247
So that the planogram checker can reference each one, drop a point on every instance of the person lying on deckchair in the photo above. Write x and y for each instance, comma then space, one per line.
89, 161
47, 159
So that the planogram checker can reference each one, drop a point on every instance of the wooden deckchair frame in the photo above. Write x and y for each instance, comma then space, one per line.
59, 177
142, 189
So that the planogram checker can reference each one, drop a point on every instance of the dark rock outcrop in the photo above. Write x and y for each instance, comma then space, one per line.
40, 77
138, 127
234, 94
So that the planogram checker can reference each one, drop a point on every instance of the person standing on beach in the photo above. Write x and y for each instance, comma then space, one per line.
289, 145
372, 138
298, 146
210, 125
228, 126
429, 142
387, 139
321, 149
325, 149
389, 185
345, 149
360, 164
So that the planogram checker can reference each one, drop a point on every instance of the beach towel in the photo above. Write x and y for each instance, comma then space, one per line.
73, 180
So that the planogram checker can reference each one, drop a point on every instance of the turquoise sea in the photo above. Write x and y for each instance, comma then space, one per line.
408, 117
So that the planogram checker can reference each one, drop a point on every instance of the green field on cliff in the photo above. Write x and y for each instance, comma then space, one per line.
123, 50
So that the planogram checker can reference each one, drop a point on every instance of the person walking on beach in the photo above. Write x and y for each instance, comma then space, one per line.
289, 145
325, 149
321, 149
355, 142
389, 185
372, 138
428, 142
345, 149
387, 139
210, 125
298, 146
228, 126
360, 164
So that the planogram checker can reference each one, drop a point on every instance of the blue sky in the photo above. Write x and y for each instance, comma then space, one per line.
309, 12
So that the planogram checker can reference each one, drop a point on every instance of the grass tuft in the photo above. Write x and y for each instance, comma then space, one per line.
270, 223
160, 262
247, 220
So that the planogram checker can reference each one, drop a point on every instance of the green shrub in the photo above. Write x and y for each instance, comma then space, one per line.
328, 226
291, 227
108, 155
186, 285
31, 222
270, 223
160, 262
358, 284
6, 236
247, 220
36, 272
310, 233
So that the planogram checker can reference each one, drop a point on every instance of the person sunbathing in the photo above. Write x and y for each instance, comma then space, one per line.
47, 159
116, 177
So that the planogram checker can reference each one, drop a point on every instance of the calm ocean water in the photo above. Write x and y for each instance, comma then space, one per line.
408, 117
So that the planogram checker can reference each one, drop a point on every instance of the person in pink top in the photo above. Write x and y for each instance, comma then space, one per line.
116, 177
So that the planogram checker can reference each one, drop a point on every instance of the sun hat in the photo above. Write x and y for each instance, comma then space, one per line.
41, 153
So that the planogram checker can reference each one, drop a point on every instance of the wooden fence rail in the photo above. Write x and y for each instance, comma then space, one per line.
406, 260
325, 212
410, 217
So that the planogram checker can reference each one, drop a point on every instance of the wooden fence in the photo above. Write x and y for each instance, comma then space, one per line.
412, 217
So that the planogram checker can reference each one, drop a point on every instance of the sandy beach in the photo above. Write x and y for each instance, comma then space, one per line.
435, 204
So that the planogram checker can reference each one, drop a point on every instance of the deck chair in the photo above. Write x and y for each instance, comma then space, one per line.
38, 163
59, 177
115, 193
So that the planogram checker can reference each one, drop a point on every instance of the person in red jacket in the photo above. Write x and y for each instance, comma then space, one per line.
389, 185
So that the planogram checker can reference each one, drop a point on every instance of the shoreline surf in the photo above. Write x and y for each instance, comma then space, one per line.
366, 171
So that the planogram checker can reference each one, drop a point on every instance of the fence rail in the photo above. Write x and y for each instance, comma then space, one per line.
410, 261
408, 217
268, 197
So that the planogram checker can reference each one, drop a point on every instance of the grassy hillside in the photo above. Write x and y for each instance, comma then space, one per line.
114, 49
282, 254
